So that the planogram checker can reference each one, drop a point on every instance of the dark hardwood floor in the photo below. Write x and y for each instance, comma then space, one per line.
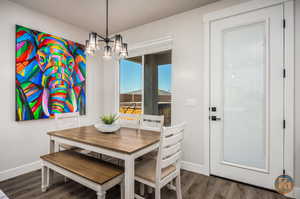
194, 186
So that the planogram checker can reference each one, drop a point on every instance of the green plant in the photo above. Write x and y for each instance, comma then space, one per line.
109, 119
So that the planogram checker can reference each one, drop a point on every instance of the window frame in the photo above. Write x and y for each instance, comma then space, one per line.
142, 49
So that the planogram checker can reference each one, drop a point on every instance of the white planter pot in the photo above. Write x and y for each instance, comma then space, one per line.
107, 128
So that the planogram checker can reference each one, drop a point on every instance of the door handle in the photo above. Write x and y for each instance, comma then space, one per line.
214, 118
213, 109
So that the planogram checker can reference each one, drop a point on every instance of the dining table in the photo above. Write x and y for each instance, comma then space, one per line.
126, 144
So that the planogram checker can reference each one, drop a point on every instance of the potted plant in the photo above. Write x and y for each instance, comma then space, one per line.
108, 123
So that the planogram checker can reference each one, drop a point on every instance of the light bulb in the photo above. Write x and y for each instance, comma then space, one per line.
107, 52
118, 43
124, 51
88, 49
93, 40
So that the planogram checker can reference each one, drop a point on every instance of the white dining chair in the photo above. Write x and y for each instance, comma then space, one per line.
129, 120
158, 172
151, 122
66, 121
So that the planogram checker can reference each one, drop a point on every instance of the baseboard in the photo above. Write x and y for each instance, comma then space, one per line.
297, 192
26, 168
193, 167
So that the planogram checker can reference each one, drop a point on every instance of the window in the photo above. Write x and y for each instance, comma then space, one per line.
131, 85
146, 88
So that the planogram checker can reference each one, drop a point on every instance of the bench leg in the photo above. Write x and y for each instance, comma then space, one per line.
101, 194
45, 184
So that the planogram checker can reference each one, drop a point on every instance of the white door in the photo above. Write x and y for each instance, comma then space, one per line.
247, 96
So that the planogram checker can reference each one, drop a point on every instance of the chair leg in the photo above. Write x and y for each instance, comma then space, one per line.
101, 195
142, 189
178, 187
122, 185
157, 193
50, 174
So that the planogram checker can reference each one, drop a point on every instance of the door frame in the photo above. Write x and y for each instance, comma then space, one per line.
288, 7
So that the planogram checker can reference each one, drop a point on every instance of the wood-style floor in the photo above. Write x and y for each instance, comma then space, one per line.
194, 186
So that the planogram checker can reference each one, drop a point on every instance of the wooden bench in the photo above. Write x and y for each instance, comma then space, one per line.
88, 171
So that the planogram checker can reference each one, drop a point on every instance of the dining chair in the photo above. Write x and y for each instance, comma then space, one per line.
129, 120
151, 122
65, 121
158, 172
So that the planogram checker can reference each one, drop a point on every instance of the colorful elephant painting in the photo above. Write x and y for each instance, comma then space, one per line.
50, 75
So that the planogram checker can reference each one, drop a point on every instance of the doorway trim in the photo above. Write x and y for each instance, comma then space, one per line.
288, 6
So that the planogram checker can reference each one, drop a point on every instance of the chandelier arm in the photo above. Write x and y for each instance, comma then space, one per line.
101, 37
101, 40
112, 37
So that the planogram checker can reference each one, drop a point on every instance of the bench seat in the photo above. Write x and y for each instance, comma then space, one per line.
88, 171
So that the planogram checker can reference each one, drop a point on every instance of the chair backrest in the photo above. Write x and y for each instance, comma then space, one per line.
152, 122
67, 120
170, 149
129, 120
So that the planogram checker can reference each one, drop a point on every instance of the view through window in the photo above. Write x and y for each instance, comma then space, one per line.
131, 85
155, 90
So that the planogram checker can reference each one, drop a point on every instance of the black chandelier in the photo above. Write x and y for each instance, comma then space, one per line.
118, 49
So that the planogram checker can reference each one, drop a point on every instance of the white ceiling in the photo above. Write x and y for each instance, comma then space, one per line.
124, 14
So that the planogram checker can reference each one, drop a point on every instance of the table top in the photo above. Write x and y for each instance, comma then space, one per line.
124, 140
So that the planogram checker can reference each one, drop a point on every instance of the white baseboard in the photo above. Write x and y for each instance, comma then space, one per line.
193, 167
297, 192
26, 168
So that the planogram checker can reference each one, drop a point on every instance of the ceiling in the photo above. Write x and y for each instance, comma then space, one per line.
123, 14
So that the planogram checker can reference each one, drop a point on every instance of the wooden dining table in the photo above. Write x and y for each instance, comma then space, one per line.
125, 144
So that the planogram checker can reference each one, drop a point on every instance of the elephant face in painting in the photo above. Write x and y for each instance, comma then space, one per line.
50, 75
57, 65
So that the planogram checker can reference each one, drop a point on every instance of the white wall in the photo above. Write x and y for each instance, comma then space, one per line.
186, 30
23, 142
187, 78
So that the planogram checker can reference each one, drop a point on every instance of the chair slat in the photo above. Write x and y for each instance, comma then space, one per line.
157, 118
172, 140
129, 120
152, 122
129, 116
173, 130
66, 120
171, 160
166, 152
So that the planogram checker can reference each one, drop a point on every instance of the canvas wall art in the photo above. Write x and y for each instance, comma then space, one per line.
50, 75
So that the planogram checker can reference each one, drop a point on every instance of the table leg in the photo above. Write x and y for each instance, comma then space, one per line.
129, 178
50, 172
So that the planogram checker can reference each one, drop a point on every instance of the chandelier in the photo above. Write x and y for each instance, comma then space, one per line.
118, 48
